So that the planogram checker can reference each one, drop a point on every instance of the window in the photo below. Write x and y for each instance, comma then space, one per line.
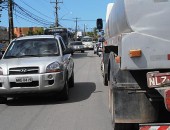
63, 47
76, 43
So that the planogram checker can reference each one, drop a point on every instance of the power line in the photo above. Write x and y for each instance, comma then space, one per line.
21, 11
35, 9
79, 20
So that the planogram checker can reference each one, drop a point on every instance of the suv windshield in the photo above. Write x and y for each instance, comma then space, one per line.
32, 47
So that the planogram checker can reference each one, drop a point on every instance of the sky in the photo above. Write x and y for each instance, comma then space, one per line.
86, 12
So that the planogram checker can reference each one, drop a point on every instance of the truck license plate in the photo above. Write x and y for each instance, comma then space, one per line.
156, 79
23, 80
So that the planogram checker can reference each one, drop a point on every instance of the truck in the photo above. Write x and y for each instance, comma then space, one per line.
136, 58
79, 34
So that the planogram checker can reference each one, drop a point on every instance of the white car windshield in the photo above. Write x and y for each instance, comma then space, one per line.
32, 47
87, 40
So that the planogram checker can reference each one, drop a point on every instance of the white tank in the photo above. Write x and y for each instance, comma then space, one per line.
150, 17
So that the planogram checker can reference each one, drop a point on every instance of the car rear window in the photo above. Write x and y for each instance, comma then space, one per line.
76, 43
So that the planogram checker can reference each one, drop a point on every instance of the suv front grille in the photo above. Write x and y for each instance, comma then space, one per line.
32, 84
23, 70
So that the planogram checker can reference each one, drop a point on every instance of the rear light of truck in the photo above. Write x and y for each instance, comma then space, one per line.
168, 56
167, 99
117, 59
105, 43
135, 53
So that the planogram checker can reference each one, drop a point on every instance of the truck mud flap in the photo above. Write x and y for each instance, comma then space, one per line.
133, 107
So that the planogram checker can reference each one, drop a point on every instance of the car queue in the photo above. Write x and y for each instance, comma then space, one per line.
39, 64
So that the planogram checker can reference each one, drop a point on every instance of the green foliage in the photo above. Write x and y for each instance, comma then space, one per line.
36, 32
30, 32
93, 34
39, 31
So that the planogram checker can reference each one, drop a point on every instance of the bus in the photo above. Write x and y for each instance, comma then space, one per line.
65, 33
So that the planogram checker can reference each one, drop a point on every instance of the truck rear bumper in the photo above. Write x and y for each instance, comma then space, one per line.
155, 126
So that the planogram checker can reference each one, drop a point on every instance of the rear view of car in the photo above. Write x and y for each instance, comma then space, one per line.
77, 46
88, 42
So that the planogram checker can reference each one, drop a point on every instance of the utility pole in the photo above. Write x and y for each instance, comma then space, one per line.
11, 24
84, 29
76, 26
0, 8
56, 12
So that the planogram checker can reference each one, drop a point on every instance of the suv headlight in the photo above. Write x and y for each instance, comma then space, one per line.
1, 71
54, 67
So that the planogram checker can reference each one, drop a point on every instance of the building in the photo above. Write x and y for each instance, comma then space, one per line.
22, 31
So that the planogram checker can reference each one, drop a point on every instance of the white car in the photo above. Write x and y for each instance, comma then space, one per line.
36, 64
76, 46
88, 42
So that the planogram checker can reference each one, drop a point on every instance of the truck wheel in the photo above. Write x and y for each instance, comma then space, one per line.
109, 100
71, 81
112, 107
65, 92
82, 51
105, 81
3, 100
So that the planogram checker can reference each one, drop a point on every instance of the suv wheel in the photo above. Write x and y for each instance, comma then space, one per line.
65, 92
71, 81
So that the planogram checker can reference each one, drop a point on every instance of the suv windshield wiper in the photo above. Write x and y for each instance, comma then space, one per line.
42, 55
26, 56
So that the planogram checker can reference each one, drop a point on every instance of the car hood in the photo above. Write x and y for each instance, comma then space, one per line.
41, 62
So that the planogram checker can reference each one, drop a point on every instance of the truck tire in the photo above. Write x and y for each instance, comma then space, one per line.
3, 100
109, 100
105, 80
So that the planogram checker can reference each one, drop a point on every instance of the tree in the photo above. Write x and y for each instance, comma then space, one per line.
30, 32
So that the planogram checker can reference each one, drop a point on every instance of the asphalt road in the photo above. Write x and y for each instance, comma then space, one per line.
87, 108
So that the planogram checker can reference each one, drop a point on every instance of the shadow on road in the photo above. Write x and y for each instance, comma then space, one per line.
81, 91
78, 55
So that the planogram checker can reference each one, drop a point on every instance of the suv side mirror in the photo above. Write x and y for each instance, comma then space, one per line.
99, 24
68, 51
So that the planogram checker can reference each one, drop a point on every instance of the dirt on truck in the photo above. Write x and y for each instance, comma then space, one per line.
136, 60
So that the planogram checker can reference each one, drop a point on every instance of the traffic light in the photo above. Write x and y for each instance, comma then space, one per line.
99, 24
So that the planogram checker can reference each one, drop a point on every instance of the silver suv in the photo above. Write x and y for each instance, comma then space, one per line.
36, 64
